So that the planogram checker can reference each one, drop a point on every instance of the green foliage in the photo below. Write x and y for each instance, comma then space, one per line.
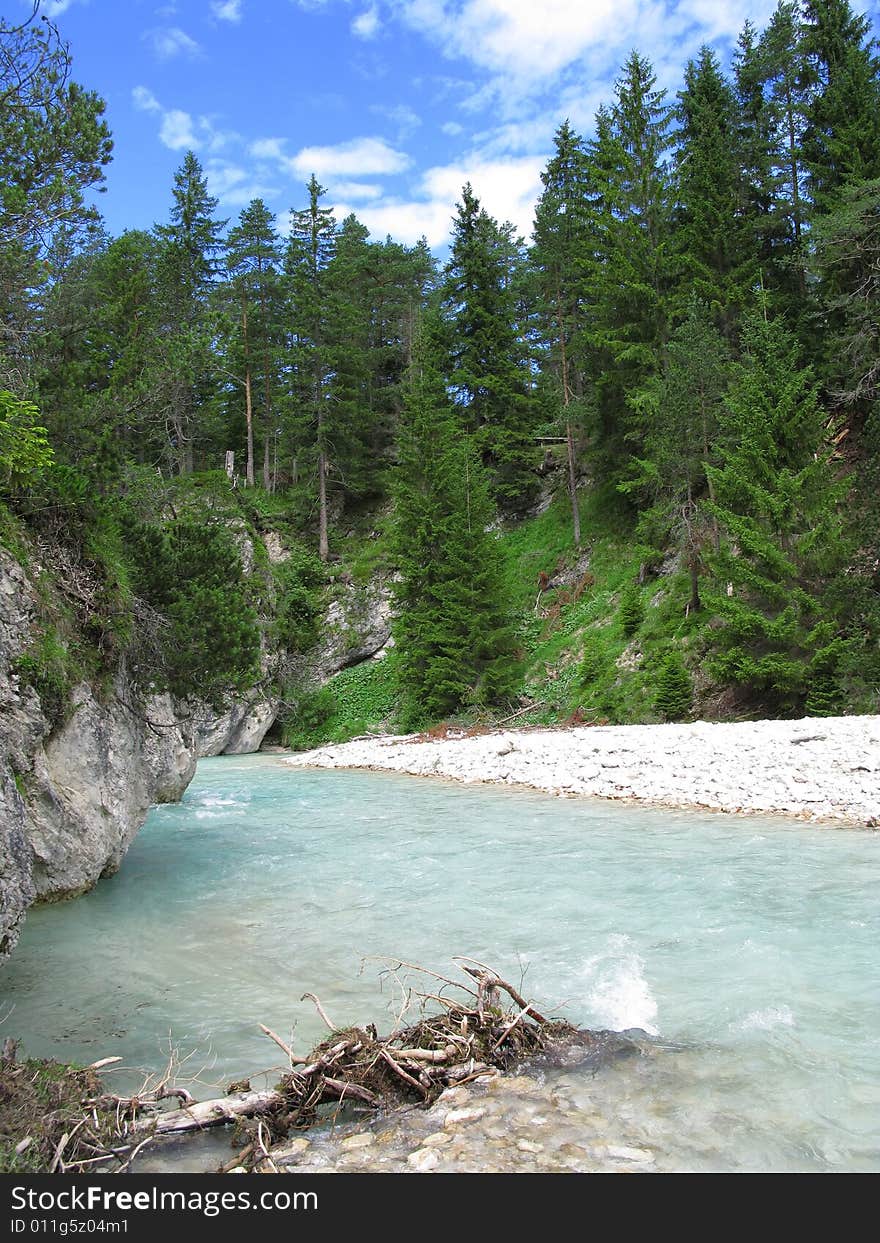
454, 642
47, 666
25, 453
190, 572
779, 511
305, 718
674, 695
298, 600
631, 612
592, 665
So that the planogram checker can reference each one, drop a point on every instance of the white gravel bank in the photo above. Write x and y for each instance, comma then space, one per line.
825, 768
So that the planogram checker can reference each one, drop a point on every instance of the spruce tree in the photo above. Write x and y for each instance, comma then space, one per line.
717, 265
310, 250
630, 279
253, 260
778, 507
189, 266
454, 644
674, 695
558, 258
842, 133
488, 371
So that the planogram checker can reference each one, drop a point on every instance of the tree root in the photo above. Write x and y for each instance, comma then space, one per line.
472, 1036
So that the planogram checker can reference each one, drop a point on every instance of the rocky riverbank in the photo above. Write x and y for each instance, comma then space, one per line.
819, 769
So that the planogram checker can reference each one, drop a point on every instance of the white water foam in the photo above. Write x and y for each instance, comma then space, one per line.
618, 994
765, 1020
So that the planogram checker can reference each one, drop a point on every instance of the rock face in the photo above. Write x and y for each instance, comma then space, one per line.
74, 793
238, 731
357, 626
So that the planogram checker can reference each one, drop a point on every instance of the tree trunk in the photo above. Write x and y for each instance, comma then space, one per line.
569, 435
248, 405
323, 543
210, 1113
267, 390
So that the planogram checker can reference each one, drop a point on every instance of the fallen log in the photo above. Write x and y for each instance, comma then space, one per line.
203, 1114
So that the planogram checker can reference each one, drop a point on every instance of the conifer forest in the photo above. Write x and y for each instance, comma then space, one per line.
626, 468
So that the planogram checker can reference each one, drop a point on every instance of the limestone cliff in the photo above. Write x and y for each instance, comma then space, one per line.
74, 791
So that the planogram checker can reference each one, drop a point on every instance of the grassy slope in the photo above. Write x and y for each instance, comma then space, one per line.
575, 655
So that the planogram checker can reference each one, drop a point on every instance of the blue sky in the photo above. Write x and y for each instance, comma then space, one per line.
393, 104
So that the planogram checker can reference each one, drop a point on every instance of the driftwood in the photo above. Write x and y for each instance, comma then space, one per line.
201, 1114
473, 1035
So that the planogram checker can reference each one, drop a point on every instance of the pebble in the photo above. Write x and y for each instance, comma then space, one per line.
456, 1116
423, 1159
362, 1140
731, 766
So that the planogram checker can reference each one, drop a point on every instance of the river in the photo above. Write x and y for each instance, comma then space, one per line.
744, 947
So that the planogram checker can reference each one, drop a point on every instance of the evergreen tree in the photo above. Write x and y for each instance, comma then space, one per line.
842, 135
711, 238
374, 291
848, 261
100, 353
631, 276
454, 645
558, 258
632, 609
188, 269
488, 372
784, 74
684, 405
674, 695
777, 504
54, 146
253, 258
756, 145
310, 250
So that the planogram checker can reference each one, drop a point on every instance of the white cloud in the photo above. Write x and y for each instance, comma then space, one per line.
177, 131
144, 100
406, 222
507, 189
170, 41
226, 10
360, 157
366, 25
267, 149
54, 8
452, 128
235, 186
401, 115
358, 190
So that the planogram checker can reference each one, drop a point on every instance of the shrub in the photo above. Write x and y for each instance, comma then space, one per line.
632, 609
675, 693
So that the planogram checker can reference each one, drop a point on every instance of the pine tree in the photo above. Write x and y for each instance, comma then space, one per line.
842, 134
488, 371
188, 270
778, 498
717, 266
454, 645
310, 250
630, 279
253, 259
558, 259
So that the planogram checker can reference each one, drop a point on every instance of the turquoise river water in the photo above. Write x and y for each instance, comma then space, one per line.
746, 947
